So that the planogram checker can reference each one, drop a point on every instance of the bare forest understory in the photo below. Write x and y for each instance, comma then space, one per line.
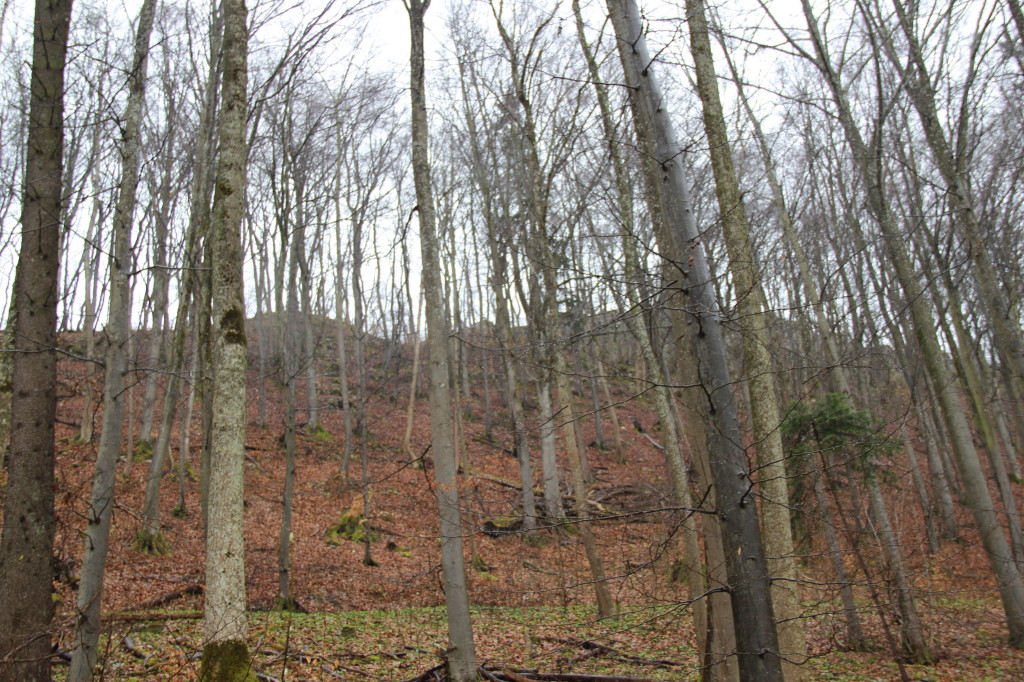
531, 594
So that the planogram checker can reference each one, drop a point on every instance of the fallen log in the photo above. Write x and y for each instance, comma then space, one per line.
144, 617
592, 648
509, 675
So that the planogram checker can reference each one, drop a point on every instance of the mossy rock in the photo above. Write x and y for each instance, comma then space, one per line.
143, 450
227, 661
500, 526
154, 545
479, 564
352, 527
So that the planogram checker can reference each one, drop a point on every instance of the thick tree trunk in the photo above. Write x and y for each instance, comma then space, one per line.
752, 321
26, 548
6, 365
749, 583
461, 651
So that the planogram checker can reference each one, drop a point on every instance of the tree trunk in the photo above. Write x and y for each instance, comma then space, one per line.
461, 651
225, 652
101, 508
150, 539
749, 583
912, 642
752, 321
26, 548
630, 308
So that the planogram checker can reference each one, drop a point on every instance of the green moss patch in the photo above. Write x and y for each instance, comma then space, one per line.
352, 527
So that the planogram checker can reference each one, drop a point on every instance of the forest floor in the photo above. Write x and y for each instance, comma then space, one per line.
533, 603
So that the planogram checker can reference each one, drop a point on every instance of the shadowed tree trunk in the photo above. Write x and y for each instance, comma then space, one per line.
754, 622
752, 320
26, 548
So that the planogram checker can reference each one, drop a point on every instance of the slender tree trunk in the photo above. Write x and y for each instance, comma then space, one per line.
461, 650
341, 309
553, 504
225, 652
411, 412
921, 488
855, 639
630, 308
26, 548
101, 507
150, 539
91, 259
912, 634
6, 366
184, 438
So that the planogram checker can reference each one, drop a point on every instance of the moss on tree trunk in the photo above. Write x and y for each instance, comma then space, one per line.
227, 661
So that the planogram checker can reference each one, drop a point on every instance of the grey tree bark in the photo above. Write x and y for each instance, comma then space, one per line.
749, 583
225, 652
101, 506
752, 321
461, 651
630, 307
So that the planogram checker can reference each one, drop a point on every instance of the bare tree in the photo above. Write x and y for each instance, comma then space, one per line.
225, 652
101, 508
461, 652
756, 638
26, 547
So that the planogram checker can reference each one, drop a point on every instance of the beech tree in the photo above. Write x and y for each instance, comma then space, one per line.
754, 621
225, 650
90, 590
461, 654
